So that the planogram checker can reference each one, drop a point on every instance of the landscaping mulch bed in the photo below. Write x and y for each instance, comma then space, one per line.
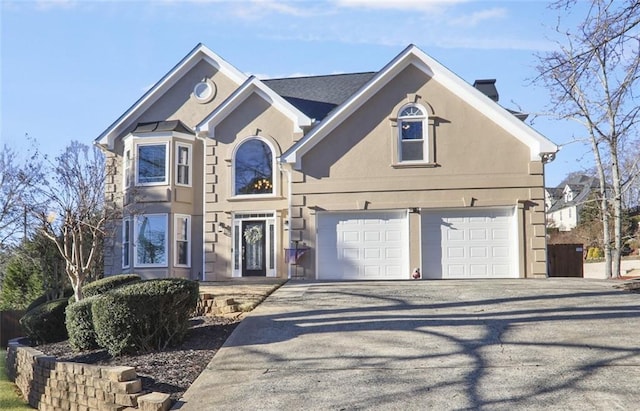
171, 371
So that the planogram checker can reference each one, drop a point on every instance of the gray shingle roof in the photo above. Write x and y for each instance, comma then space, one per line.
316, 96
582, 187
160, 126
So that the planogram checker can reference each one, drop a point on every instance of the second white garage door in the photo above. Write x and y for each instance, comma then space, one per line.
366, 245
477, 243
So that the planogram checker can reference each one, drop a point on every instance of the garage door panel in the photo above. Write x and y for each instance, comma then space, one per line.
478, 234
455, 252
479, 243
375, 247
455, 235
478, 252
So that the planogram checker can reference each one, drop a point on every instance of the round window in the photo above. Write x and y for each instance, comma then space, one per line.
204, 91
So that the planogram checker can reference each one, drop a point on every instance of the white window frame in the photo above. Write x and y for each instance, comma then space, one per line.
166, 164
126, 242
135, 245
274, 173
425, 133
126, 167
180, 145
177, 219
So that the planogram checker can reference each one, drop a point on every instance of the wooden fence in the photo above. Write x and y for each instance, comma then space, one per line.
10, 326
565, 260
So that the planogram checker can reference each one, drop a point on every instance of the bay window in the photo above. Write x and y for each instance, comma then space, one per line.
150, 246
152, 164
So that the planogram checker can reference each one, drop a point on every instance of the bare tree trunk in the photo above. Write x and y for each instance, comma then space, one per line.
617, 212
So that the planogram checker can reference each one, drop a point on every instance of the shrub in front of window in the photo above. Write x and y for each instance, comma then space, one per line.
45, 323
144, 316
79, 324
103, 285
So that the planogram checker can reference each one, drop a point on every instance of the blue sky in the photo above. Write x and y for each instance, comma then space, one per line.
70, 68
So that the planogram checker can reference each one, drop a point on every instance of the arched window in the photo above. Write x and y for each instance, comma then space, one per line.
253, 168
412, 138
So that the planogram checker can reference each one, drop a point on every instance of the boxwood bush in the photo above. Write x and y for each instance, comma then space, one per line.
144, 316
45, 323
67, 292
79, 324
105, 284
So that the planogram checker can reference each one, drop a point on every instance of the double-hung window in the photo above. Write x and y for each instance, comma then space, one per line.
183, 164
152, 164
412, 138
182, 229
150, 235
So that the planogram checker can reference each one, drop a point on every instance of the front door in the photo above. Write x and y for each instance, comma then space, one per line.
253, 248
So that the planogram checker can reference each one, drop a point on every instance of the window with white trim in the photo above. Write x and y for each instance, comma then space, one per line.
183, 164
152, 164
182, 229
150, 248
126, 168
253, 168
412, 134
126, 243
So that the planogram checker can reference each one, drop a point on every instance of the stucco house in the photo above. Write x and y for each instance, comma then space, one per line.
565, 202
368, 175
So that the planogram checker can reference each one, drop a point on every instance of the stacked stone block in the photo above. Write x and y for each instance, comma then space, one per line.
208, 305
51, 385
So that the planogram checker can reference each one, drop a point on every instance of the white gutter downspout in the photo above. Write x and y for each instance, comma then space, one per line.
287, 170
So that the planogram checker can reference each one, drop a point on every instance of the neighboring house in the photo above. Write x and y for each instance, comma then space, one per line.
373, 174
565, 202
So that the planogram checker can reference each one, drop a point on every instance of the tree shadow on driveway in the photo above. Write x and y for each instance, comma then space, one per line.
462, 345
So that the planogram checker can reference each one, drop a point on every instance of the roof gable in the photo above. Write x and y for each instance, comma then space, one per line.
199, 53
412, 55
253, 86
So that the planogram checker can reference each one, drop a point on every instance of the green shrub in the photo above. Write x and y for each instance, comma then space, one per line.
144, 316
103, 285
598, 253
67, 292
79, 324
45, 323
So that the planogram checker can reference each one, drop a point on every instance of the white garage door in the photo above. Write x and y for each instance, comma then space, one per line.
478, 243
366, 245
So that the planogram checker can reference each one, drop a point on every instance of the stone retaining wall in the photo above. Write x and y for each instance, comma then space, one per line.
208, 305
52, 385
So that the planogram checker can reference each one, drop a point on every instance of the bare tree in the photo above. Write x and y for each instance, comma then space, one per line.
593, 79
16, 178
73, 212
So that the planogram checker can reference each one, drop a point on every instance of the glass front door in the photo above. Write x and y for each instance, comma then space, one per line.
253, 248
254, 242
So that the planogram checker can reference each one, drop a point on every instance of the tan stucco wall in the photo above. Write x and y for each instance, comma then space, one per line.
476, 162
177, 103
253, 117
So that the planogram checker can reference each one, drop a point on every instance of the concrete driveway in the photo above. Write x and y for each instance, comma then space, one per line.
479, 344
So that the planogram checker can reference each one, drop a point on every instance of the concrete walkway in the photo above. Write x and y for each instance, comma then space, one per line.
570, 344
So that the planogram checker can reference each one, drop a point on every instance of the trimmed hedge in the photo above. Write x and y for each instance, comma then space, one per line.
144, 316
79, 324
68, 292
45, 323
105, 284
